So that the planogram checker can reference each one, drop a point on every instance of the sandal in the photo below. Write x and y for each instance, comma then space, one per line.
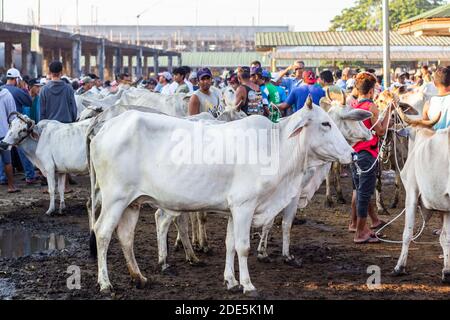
381, 225
370, 239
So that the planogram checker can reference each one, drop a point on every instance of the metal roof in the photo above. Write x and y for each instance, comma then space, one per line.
439, 12
342, 38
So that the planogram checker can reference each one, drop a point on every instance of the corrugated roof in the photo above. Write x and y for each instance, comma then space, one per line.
439, 12
343, 38
223, 60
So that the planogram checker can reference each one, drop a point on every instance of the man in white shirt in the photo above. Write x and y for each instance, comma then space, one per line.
164, 81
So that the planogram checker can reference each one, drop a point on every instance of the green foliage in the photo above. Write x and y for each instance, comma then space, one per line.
367, 14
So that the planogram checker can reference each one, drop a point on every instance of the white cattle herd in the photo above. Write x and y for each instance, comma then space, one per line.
247, 168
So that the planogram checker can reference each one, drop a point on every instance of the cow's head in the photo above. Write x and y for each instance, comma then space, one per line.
347, 119
90, 112
326, 143
387, 98
20, 128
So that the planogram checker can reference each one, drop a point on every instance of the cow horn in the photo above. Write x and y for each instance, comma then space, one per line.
344, 100
419, 122
309, 102
14, 113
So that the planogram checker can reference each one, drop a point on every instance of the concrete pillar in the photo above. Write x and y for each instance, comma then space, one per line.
170, 63
109, 66
67, 63
26, 58
8, 55
46, 60
130, 65
76, 58
139, 72
101, 59
156, 63
180, 61
118, 66
145, 71
87, 63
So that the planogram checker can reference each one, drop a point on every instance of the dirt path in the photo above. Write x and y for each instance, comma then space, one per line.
333, 267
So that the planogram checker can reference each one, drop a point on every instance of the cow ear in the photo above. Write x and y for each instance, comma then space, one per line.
325, 104
356, 115
408, 109
35, 134
297, 127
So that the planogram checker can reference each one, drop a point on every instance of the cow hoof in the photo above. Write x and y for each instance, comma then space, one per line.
399, 272
235, 289
329, 203
252, 294
50, 213
293, 262
264, 259
169, 271
141, 283
106, 289
197, 264
446, 277
341, 201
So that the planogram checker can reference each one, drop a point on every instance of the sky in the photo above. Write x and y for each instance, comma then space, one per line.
302, 15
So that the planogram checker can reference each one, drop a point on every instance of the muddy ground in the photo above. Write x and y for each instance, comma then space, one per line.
333, 267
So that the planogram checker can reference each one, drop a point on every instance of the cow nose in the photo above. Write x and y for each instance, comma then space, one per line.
354, 156
4, 146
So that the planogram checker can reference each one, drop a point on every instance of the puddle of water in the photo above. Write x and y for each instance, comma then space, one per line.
15, 243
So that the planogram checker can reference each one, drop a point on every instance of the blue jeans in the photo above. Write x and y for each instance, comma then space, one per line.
364, 184
27, 165
2, 173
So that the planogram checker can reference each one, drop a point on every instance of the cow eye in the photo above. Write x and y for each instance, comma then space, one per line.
326, 124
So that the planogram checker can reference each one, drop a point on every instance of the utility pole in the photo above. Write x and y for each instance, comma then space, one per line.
259, 12
138, 41
386, 45
78, 20
3, 10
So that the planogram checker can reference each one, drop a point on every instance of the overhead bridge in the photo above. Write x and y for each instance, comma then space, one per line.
80, 54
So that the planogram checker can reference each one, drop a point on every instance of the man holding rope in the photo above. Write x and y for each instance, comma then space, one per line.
364, 171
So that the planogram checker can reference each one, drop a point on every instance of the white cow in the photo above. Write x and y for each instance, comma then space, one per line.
426, 177
348, 121
240, 189
55, 148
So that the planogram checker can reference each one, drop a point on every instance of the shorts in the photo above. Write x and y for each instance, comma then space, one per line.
6, 156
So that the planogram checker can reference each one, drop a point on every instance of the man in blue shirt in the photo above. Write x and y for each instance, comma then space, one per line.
298, 96
22, 99
290, 83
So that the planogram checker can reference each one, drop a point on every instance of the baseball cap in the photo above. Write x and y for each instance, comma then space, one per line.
193, 75
255, 70
203, 72
275, 76
166, 75
13, 73
36, 82
266, 74
309, 77
350, 84
85, 80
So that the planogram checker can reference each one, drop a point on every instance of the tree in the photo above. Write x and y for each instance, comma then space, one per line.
367, 14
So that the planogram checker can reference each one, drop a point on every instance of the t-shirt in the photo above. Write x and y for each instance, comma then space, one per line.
166, 90
291, 83
274, 94
21, 98
298, 96
211, 102
440, 104
182, 88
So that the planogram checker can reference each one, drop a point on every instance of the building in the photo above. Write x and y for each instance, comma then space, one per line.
364, 47
435, 22
179, 38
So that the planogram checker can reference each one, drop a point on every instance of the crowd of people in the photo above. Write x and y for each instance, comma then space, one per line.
250, 89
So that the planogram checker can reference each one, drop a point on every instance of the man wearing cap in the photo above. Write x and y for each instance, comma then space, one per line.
207, 98
57, 98
194, 81
298, 96
97, 85
86, 84
164, 82
22, 99
7, 105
